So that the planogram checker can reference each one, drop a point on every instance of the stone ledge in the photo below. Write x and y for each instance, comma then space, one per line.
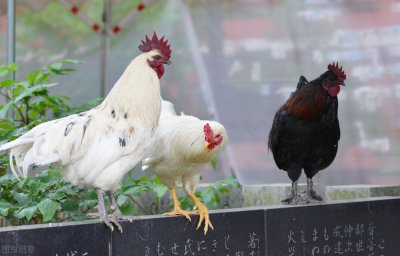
360, 191
269, 194
253, 231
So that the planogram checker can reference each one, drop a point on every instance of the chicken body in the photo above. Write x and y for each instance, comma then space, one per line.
305, 131
180, 153
98, 147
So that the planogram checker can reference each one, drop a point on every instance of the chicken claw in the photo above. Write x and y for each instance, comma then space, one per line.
177, 207
311, 194
108, 220
293, 198
179, 211
203, 213
102, 213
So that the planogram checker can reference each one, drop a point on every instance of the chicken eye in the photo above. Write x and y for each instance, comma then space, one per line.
157, 57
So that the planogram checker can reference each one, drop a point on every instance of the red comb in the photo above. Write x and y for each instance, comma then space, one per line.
208, 132
156, 43
338, 71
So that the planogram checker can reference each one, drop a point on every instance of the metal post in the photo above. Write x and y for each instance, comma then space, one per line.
11, 34
105, 46
10, 54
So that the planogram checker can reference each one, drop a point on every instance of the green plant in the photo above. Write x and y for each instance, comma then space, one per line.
210, 196
29, 101
43, 198
46, 197
131, 189
128, 197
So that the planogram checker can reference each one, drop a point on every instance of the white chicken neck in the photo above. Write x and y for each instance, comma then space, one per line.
136, 94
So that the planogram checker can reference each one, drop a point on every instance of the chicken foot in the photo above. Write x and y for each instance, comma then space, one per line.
292, 199
203, 213
311, 194
102, 213
177, 207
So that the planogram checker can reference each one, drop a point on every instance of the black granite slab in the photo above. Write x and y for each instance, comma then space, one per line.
357, 228
235, 233
365, 228
69, 240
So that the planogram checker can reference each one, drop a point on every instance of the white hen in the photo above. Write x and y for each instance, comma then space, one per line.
98, 147
184, 144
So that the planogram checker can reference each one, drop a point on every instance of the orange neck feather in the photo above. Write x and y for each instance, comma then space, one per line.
308, 103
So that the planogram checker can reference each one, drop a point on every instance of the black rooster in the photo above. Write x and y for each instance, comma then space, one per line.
305, 131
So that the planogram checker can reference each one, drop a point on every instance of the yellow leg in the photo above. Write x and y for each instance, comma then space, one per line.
177, 207
203, 212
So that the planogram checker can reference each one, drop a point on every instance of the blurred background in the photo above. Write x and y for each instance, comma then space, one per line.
236, 62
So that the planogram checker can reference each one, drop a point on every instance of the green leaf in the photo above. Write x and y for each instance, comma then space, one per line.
29, 92
121, 200
186, 203
127, 183
133, 190
7, 83
23, 199
5, 108
70, 61
70, 205
7, 179
5, 207
48, 208
56, 66
231, 181
58, 195
27, 212
159, 189
127, 209
214, 163
5, 70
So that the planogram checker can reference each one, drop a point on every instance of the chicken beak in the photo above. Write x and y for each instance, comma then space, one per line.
168, 62
343, 84
207, 145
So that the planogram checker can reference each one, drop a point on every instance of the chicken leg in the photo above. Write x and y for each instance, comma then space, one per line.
177, 207
311, 194
292, 199
203, 212
102, 213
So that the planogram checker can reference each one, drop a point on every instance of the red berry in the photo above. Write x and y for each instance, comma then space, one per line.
116, 29
96, 27
74, 9
140, 7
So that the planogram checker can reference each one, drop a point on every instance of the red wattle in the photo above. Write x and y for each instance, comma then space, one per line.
334, 90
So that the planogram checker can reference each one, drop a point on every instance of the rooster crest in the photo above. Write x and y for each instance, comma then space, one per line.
156, 43
208, 133
338, 71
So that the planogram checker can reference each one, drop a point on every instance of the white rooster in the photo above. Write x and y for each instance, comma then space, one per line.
184, 144
98, 147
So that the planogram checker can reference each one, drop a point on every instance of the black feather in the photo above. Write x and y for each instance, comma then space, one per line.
85, 126
302, 81
68, 128
122, 142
